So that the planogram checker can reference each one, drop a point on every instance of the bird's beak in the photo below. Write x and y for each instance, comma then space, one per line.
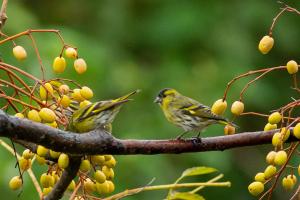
157, 100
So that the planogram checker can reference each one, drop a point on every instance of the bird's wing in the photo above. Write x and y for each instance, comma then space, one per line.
194, 108
96, 108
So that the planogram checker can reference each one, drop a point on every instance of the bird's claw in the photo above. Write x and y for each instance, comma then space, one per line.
196, 140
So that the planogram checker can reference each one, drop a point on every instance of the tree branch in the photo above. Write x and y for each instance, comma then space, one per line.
67, 176
3, 16
27, 132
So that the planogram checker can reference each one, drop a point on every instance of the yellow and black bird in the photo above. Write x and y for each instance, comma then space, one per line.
186, 113
97, 115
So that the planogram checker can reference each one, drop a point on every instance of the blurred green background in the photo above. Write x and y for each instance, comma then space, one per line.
194, 46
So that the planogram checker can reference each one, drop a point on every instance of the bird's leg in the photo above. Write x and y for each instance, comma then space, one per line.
181, 135
197, 139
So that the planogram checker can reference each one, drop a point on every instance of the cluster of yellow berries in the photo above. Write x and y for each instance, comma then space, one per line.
59, 64
24, 164
96, 172
100, 180
58, 96
219, 108
275, 158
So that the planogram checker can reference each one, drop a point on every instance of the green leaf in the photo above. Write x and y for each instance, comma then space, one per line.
185, 196
195, 171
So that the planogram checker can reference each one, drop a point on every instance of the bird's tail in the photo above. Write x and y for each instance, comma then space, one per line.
227, 122
125, 97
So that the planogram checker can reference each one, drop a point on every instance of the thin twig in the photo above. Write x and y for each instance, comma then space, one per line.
30, 172
168, 186
210, 181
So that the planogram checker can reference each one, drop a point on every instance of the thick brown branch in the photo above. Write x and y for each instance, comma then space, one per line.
67, 176
100, 142
3, 16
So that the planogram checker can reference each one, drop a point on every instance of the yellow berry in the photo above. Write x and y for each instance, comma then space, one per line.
274, 118
46, 91
99, 176
84, 103
47, 115
85, 165
109, 172
237, 108
47, 190
270, 157
86, 92
65, 101
41, 151
108, 157
52, 124
71, 185
285, 134
55, 83
77, 96
229, 129
71, 53
80, 66
293, 177
111, 163
59, 65
55, 176
47, 180
296, 131
287, 183
64, 89
63, 161
280, 158
270, 171
256, 188
15, 183
97, 160
269, 127
102, 188
292, 67
265, 44
54, 154
219, 107
24, 164
19, 53
89, 186
27, 154
277, 140
111, 186
40, 160
34, 116
19, 115
260, 177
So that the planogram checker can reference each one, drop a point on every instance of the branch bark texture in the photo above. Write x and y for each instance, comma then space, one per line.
101, 142
3, 16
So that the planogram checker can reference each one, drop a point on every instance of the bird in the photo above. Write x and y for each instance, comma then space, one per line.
187, 113
97, 115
